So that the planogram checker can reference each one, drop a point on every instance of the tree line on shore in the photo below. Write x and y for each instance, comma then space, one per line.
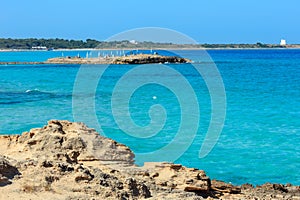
8, 43
49, 43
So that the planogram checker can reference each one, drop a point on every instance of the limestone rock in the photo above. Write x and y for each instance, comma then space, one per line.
66, 141
7, 171
223, 187
65, 160
128, 59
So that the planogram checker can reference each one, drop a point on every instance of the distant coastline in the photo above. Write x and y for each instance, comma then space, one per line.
187, 48
91, 44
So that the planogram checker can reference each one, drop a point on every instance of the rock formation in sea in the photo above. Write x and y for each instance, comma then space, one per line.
129, 59
65, 160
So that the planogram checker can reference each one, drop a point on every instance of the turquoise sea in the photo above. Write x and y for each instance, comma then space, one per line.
260, 141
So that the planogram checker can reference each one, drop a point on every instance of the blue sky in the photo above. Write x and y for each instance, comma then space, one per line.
209, 21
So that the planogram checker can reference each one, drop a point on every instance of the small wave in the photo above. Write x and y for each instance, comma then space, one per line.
33, 91
29, 96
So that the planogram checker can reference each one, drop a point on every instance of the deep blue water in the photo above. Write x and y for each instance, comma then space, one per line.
260, 139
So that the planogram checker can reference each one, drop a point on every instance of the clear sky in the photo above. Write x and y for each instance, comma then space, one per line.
207, 21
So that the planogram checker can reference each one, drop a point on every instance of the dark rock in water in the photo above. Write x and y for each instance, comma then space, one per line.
149, 59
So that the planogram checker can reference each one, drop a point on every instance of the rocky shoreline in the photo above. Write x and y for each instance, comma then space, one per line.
129, 59
65, 160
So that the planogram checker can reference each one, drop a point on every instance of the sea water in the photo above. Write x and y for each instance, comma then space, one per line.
261, 135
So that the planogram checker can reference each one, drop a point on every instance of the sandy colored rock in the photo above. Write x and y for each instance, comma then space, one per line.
65, 160
128, 59
7, 172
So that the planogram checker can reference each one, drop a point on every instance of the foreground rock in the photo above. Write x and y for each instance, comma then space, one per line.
65, 160
7, 171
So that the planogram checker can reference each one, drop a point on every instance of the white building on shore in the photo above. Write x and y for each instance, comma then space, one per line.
133, 42
39, 48
282, 42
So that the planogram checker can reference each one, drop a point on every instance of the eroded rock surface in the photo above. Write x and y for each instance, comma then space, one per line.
129, 59
66, 160
7, 171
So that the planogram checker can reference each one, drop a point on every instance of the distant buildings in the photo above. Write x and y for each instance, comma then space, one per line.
39, 48
282, 42
133, 42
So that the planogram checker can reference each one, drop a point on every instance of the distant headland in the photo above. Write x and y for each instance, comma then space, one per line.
52, 44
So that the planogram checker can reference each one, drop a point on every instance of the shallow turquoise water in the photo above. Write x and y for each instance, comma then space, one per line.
261, 135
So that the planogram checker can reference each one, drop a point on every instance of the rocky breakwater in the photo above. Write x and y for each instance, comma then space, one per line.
148, 59
65, 160
79, 60
129, 59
